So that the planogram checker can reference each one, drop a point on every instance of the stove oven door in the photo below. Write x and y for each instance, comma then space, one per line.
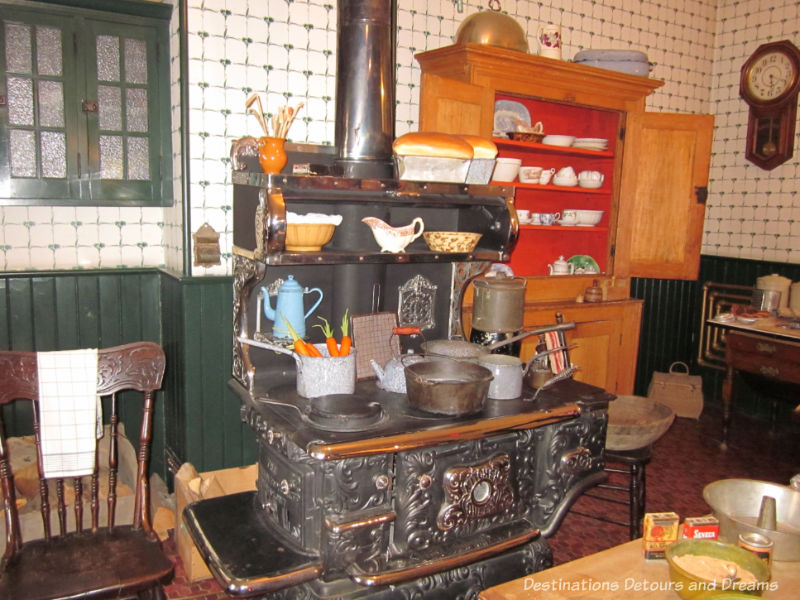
454, 504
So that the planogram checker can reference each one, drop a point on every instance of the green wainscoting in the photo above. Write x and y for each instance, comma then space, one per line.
203, 422
197, 417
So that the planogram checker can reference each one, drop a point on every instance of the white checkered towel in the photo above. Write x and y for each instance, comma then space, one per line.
70, 411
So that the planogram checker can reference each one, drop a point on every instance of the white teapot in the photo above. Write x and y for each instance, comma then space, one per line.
561, 267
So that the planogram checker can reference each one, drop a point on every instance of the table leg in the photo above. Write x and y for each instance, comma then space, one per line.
727, 398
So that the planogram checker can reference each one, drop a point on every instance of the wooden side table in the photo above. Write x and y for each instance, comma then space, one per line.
774, 358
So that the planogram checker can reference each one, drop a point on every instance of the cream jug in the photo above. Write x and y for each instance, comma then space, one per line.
289, 306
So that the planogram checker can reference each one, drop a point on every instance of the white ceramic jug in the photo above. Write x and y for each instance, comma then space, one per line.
549, 38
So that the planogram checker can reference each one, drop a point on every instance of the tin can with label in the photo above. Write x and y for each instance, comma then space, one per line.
758, 544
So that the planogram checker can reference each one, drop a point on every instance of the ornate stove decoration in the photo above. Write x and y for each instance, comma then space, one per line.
475, 492
417, 299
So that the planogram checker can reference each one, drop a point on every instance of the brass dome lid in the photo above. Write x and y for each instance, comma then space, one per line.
492, 28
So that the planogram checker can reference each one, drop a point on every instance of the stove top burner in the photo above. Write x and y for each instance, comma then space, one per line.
344, 412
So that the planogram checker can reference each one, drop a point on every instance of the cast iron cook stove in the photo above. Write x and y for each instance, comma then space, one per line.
364, 496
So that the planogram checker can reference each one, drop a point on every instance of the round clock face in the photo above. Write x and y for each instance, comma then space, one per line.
770, 76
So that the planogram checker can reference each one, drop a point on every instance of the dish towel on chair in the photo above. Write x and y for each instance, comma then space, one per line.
70, 412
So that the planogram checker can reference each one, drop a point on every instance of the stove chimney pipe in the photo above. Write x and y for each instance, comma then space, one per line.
365, 88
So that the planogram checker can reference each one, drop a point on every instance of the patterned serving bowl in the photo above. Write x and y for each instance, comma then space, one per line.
451, 241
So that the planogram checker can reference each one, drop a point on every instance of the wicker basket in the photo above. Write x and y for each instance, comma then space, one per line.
527, 136
682, 392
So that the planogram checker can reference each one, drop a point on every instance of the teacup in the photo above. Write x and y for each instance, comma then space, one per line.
569, 217
546, 175
546, 218
530, 174
523, 216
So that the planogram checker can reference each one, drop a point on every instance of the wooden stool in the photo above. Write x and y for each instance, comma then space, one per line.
631, 463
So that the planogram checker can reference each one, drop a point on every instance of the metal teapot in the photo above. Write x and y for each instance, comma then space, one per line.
289, 306
392, 377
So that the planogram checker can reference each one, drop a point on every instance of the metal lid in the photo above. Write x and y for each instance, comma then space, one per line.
501, 281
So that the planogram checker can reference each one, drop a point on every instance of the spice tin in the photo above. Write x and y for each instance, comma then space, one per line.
701, 528
660, 530
758, 544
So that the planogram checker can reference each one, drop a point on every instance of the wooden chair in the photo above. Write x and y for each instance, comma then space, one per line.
104, 559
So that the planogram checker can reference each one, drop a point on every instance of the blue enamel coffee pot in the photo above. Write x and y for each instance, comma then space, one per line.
289, 306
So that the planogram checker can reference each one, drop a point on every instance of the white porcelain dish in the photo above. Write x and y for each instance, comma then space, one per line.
590, 184
589, 218
558, 140
567, 223
505, 114
565, 181
506, 169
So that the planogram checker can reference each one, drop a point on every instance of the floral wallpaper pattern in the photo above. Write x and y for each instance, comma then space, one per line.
286, 51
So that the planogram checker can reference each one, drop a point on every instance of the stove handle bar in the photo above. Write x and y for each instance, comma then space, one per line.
431, 567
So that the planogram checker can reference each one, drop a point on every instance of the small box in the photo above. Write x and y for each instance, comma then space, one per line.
660, 530
701, 528
191, 486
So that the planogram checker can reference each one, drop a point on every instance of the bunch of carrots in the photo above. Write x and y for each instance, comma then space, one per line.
334, 348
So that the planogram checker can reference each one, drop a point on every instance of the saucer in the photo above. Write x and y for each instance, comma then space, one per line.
565, 224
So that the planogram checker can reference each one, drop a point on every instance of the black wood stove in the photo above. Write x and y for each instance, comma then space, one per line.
361, 495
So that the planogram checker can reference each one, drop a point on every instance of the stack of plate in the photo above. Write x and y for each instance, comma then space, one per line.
591, 143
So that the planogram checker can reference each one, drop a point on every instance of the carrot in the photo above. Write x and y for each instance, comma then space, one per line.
300, 345
344, 347
330, 341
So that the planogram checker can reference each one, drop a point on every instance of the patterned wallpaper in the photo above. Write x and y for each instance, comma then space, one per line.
285, 50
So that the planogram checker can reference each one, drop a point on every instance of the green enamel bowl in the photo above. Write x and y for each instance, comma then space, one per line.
692, 587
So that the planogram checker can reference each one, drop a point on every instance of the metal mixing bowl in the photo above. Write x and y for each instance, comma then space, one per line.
492, 28
736, 503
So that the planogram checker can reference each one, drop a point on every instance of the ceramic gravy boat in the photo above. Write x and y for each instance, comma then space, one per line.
394, 239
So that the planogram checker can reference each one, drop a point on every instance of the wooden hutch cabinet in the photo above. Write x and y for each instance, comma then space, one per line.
655, 175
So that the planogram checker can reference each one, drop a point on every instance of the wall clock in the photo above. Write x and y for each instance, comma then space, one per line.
770, 81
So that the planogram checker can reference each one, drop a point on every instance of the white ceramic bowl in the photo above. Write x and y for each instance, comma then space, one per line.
506, 169
530, 174
558, 140
589, 218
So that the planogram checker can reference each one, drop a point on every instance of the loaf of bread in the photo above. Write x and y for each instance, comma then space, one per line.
481, 147
421, 143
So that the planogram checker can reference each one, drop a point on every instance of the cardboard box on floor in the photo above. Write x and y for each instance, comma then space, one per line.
191, 486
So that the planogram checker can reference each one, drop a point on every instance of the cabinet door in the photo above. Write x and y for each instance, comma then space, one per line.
87, 116
38, 77
662, 201
452, 106
606, 339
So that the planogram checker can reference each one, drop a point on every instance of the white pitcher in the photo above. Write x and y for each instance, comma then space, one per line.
549, 38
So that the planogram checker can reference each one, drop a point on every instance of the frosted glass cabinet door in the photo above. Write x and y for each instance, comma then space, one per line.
125, 129
84, 109
37, 73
